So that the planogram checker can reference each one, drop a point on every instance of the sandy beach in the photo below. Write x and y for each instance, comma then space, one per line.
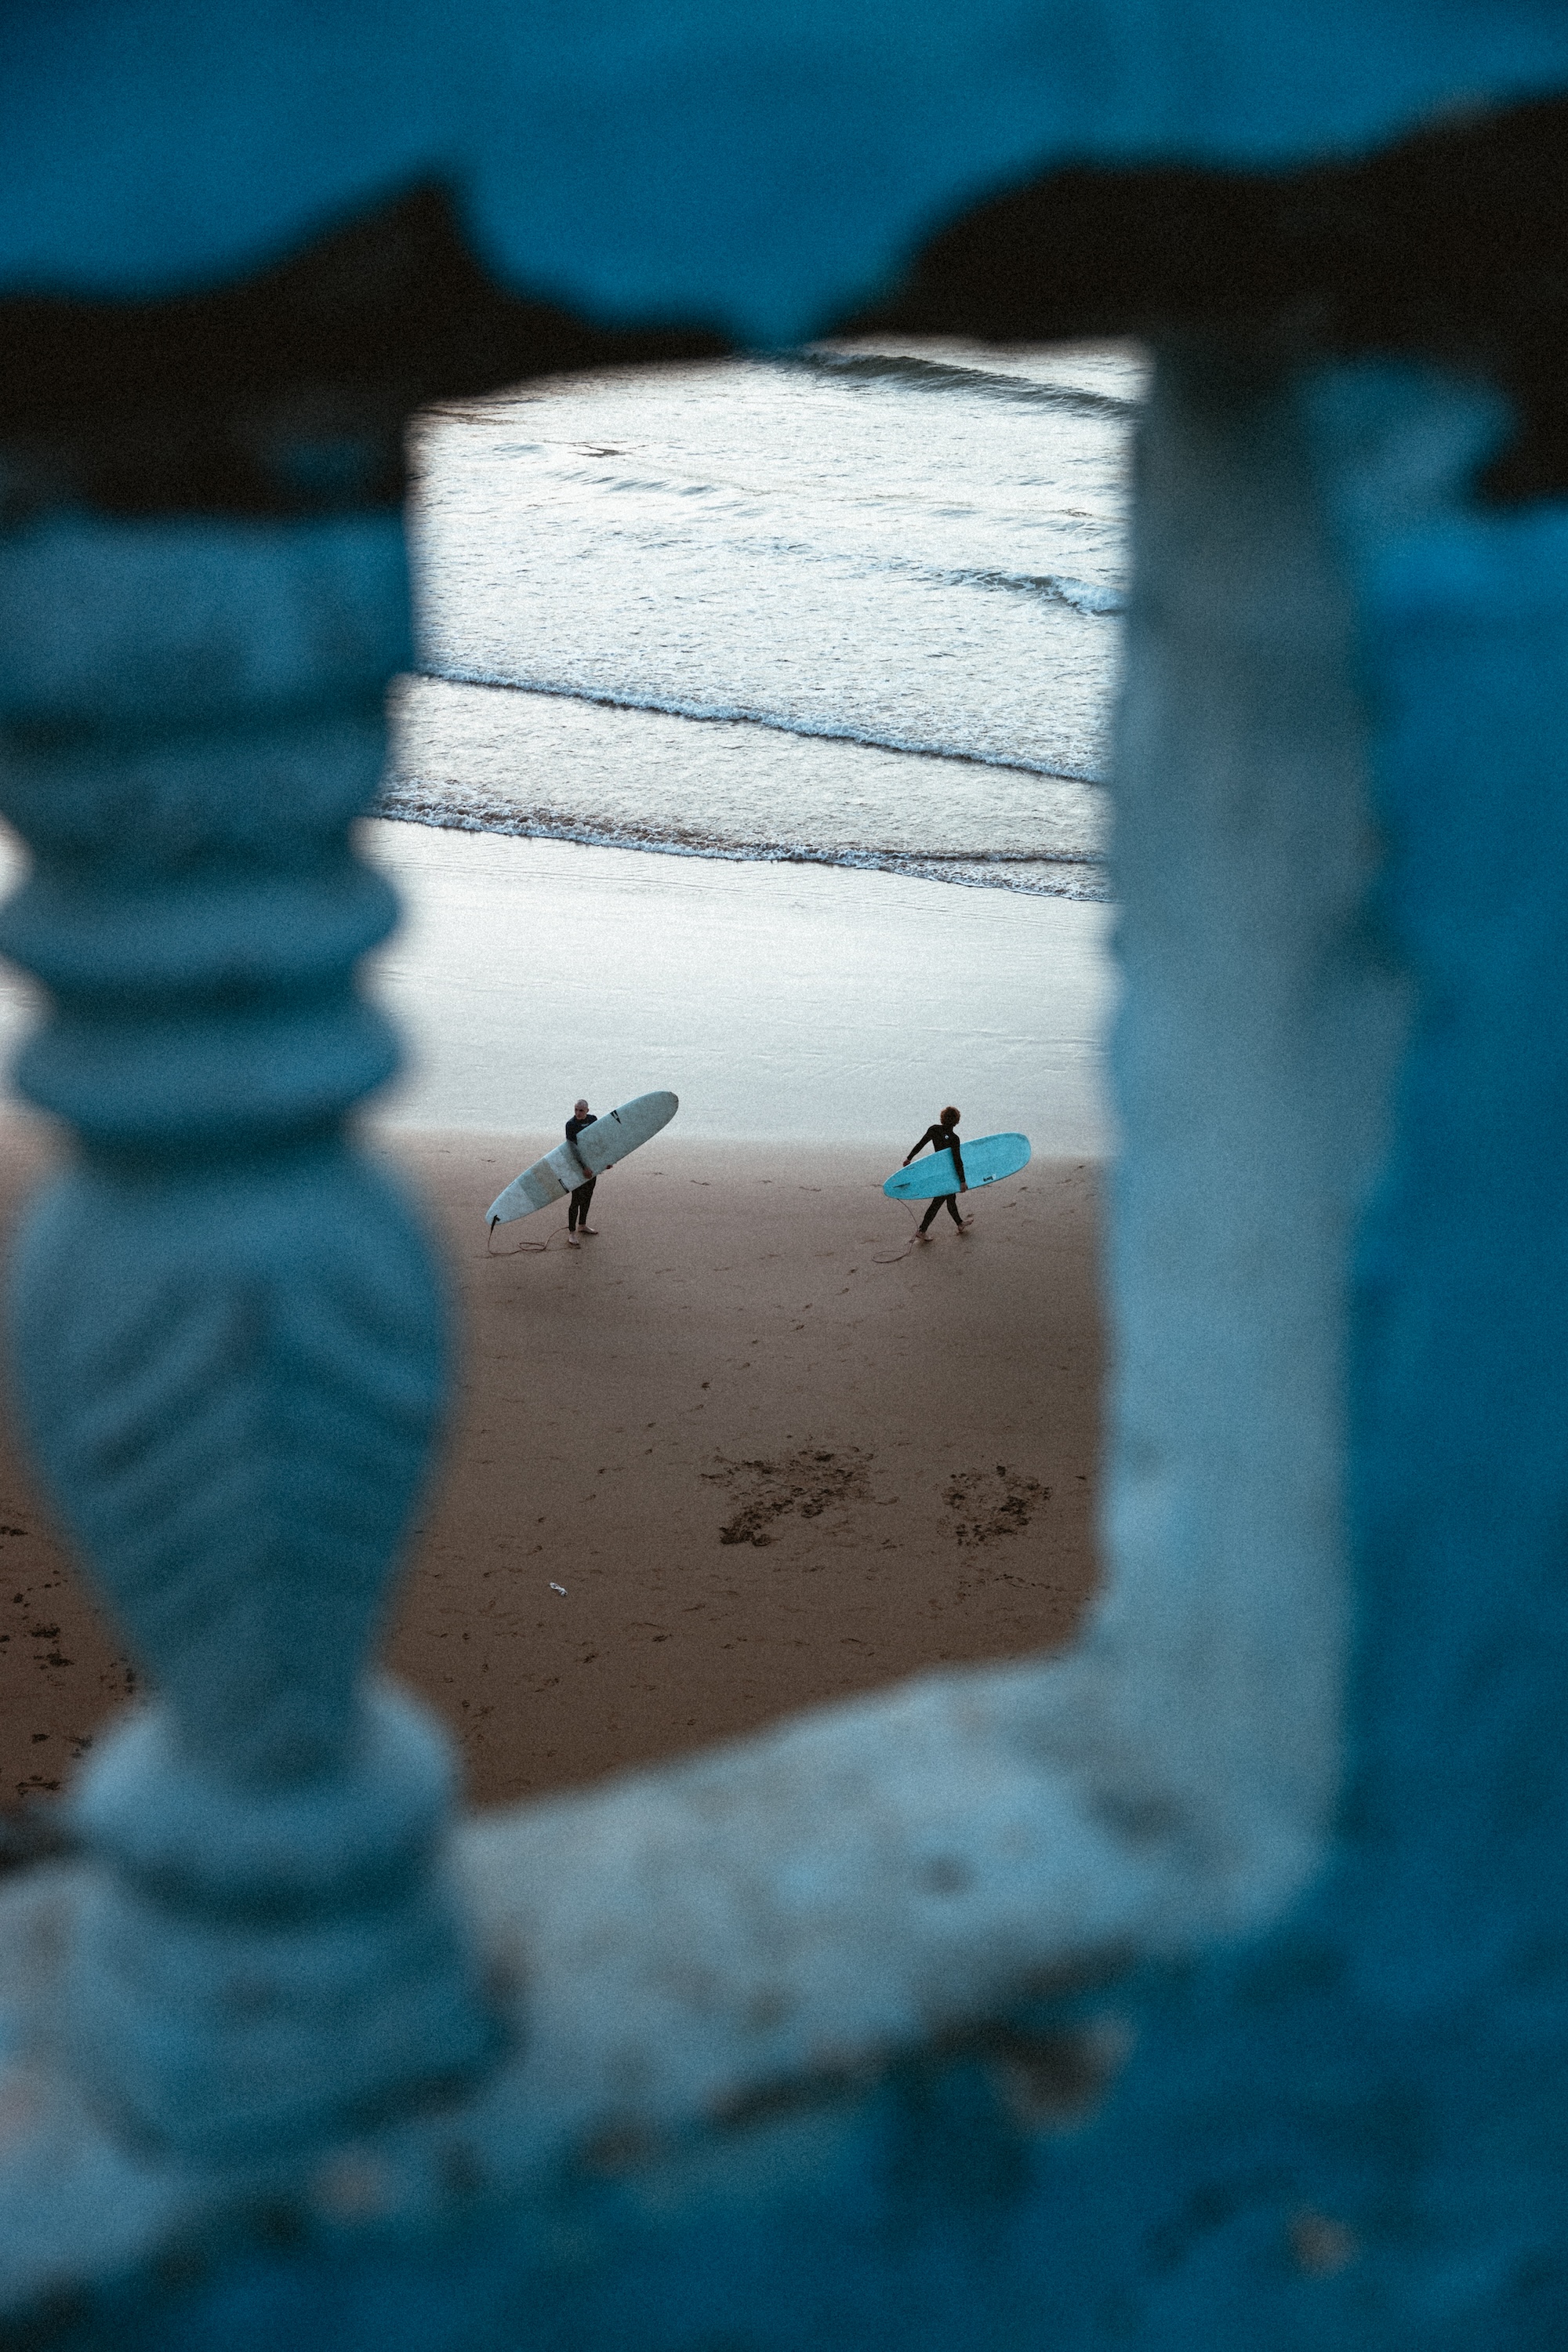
773, 1452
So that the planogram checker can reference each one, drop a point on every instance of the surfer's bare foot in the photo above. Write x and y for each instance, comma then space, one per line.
571, 1241
922, 1237
589, 1230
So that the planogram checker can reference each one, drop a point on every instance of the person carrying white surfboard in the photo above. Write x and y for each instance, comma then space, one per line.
943, 1137
573, 1165
577, 1211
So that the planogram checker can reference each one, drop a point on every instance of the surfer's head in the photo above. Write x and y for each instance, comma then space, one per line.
949, 1117
580, 1107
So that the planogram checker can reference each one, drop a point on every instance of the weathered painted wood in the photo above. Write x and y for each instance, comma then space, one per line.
780, 1999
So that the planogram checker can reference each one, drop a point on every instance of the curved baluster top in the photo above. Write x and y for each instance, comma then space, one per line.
758, 169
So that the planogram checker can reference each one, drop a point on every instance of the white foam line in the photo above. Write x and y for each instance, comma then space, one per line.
732, 715
936, 866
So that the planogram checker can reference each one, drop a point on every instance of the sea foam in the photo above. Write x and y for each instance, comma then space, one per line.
635, 593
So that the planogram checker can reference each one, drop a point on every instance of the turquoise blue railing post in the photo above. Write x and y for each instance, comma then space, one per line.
230, 1341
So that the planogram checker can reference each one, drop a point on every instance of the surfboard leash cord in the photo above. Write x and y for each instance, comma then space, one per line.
908, 1246
522, 1249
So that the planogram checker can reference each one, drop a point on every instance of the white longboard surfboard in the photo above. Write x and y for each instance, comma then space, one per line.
613, 1134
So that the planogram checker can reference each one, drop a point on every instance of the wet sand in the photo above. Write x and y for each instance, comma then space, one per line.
783, 1004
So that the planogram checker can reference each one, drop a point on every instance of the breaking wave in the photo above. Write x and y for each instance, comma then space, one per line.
842, 607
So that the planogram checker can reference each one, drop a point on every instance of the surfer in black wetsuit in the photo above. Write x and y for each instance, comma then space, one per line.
943, 1137
578, 1212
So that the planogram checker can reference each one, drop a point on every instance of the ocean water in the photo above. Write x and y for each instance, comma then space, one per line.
851, 607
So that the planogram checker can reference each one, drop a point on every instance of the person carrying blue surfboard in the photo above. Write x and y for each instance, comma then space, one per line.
943, 1137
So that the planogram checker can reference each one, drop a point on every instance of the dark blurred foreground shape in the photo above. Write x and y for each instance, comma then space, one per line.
1207, 1985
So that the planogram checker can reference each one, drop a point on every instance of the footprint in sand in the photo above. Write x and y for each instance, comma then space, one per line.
805, 1483
992, 1503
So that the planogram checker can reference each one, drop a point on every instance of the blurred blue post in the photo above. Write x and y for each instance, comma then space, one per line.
228, 1341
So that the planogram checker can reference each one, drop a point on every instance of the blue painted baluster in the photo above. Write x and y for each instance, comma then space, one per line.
228, 1336
1353, 2133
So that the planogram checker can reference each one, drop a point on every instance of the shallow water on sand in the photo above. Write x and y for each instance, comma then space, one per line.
801, 1006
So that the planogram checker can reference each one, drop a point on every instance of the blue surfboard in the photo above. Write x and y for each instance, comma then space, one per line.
986, 1161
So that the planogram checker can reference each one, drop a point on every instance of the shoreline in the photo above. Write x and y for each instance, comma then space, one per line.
529, 764
1083, 880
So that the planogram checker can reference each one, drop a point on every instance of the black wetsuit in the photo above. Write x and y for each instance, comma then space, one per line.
942, 1139
577, 1211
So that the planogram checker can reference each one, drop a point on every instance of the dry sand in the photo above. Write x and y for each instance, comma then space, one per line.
768, 1466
